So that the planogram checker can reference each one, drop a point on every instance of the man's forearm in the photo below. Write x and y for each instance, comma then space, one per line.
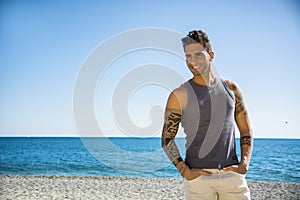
246, 143
172, 151
171, 125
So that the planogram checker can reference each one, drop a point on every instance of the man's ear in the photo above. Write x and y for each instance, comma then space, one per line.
211, 55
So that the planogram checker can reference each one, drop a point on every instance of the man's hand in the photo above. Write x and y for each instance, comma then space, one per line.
190, 174
236, 168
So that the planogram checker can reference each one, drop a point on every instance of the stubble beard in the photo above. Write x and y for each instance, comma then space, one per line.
202, 71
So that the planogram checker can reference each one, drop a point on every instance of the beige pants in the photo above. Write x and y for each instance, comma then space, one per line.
220, 185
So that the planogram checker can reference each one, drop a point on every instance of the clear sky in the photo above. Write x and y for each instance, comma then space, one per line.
44, 43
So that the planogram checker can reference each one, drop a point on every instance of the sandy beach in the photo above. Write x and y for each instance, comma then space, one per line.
70, 187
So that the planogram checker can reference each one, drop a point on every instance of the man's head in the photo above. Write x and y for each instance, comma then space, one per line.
198, 52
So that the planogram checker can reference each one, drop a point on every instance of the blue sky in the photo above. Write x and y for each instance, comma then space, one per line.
44, 43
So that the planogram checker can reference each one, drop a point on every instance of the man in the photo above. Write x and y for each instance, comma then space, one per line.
208, 108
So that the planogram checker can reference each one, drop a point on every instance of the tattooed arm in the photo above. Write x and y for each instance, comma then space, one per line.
243, 124
171, 126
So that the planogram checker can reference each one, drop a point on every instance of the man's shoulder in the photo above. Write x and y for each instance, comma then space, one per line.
180, 91
180, 94
231, 85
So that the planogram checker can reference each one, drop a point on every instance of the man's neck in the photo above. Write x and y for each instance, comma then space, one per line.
206, 80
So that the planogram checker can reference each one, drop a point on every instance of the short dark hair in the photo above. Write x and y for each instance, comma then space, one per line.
197, 37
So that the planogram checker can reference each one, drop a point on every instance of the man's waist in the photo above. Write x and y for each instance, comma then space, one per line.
214, 165
213, 171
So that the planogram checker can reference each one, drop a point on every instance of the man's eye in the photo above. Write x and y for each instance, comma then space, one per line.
200, 54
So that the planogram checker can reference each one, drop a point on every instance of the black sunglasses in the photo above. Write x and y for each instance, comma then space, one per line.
194, 35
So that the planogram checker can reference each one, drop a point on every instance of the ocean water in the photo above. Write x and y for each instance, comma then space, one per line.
273, 160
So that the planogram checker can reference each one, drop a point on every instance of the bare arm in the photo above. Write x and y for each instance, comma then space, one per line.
243, 124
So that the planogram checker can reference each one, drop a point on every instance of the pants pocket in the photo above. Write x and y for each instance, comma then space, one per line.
193, 180
242, 175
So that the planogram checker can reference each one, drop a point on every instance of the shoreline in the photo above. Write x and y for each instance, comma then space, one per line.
106, 187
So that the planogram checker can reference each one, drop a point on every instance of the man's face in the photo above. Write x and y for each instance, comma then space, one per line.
197, 59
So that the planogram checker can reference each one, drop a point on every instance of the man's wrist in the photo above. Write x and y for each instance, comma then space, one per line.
181, 167
178, 160
182, 170
245, 165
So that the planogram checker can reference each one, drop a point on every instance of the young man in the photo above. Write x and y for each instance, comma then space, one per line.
208, 108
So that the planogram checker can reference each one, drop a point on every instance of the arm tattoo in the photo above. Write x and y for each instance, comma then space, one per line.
172, 120
246, 140
172, 152
238, 95
240, 106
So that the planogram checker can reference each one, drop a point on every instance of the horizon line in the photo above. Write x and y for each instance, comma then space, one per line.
114, 136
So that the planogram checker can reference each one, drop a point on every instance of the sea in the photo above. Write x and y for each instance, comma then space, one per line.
273, 160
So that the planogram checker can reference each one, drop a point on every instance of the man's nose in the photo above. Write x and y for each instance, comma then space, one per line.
193, 60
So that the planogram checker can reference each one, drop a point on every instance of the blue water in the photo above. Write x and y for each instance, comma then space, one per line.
273, 160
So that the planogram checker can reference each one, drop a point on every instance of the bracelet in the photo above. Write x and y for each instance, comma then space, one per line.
183, 169
245, 165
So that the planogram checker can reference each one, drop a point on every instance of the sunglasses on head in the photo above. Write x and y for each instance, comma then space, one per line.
194, 35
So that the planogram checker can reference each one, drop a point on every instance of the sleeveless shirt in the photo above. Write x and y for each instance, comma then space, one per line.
209, 125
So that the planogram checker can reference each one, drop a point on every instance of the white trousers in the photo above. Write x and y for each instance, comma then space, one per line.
220, 185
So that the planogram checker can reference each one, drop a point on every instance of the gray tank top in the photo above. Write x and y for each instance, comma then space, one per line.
209, 125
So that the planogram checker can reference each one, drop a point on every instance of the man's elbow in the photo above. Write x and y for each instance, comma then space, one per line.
165, 141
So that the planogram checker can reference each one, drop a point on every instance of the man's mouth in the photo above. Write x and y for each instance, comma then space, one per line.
195, 67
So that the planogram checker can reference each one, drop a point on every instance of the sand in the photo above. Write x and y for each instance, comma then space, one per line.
74, 187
